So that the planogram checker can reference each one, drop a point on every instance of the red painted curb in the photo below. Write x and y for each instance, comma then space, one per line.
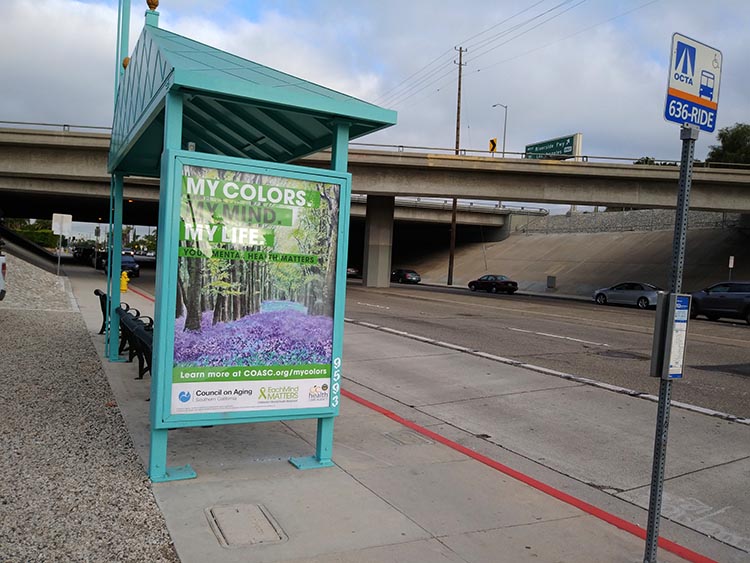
142, 294
629, 527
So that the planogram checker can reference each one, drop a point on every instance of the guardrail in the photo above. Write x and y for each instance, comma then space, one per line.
463, 205
450, 151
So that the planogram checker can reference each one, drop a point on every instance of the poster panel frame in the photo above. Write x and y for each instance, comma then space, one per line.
166, 287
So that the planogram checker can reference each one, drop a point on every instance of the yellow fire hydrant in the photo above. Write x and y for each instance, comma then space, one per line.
124, 279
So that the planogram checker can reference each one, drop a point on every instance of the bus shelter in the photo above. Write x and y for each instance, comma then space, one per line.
251, 256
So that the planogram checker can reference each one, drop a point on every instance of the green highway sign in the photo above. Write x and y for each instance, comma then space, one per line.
560, 148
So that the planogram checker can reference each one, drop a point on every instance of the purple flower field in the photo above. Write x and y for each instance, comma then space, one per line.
262, 339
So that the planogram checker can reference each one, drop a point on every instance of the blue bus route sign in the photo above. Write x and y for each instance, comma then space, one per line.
693, 86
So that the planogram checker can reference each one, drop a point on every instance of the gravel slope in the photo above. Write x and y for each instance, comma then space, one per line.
73, 488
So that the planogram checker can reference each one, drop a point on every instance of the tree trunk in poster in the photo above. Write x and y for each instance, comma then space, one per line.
193, 300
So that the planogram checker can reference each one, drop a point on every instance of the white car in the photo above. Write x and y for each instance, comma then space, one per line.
642, 295
3, 267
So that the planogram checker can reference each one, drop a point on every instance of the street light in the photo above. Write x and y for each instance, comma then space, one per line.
505, 123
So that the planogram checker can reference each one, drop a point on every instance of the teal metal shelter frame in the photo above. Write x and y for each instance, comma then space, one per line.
179, 102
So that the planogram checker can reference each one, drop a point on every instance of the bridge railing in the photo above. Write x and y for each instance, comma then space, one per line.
57, 126
471, 206
645, 161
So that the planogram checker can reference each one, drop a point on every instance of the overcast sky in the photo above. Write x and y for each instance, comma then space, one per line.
598, 67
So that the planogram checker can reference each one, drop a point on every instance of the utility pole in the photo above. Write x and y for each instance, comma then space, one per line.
460, 64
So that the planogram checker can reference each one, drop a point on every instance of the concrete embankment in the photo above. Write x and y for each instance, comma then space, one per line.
582, 262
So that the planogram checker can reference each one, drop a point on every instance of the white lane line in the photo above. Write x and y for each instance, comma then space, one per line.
372, 305
558, 336
567, 376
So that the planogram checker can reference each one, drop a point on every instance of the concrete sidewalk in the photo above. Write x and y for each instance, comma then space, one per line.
395, 494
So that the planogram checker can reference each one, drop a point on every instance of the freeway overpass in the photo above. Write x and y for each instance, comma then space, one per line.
57, 163
65, 171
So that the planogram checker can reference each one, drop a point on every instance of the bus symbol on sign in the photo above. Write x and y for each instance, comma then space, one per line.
707, 85
693, 87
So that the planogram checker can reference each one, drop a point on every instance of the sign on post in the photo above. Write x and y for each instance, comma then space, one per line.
693, 86
558, 149
493, 145
62, 224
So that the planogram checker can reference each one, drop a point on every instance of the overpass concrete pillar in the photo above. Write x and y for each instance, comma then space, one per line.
376, 269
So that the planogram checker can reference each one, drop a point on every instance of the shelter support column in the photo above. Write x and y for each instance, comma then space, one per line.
114, 264
378, 241
324, 435
166, 289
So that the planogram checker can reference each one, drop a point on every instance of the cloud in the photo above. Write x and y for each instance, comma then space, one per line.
607, 82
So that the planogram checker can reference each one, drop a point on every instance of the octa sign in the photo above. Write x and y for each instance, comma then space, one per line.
693, 86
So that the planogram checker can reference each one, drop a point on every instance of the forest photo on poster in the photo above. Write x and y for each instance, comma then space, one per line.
256, 276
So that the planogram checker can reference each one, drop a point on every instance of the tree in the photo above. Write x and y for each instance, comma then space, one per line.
734, 147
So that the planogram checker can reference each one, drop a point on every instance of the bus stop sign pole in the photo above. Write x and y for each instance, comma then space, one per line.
688, 134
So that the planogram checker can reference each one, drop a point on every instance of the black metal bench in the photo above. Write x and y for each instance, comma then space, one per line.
136, 337
103, 301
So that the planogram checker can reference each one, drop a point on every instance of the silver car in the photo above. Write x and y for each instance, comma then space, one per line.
642, 295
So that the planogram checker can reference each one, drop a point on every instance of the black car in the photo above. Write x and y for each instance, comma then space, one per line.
494, 283
405, 276
128, 265
729, 300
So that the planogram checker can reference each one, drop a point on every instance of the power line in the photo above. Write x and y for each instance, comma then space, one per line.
410, 92
520, 55
535, 49
393, 94
518, 25
532, 28
467, 41
392, 99
387, 94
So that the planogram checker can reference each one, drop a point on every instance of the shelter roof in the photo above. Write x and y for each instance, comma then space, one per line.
231, 106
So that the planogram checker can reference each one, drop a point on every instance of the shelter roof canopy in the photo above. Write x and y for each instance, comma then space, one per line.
231, 106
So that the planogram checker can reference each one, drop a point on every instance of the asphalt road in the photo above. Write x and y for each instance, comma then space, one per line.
611, 344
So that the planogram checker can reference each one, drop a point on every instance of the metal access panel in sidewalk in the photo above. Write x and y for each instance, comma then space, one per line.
251, 266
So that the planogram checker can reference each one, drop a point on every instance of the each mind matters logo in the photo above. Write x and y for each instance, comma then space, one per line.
282, 394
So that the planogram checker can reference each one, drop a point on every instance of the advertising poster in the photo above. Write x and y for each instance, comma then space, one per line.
255, 292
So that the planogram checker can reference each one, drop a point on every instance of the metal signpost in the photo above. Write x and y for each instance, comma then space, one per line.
692, 101
61, 225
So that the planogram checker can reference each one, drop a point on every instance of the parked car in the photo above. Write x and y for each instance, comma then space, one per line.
405, 276
642, 295
730, 300
353, 272
494, 283
128, 252
128, 264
